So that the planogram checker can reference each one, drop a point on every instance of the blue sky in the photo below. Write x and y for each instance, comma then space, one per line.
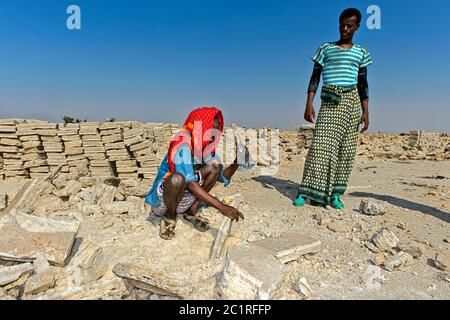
156, 60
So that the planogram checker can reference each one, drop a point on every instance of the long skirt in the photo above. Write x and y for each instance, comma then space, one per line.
330, 160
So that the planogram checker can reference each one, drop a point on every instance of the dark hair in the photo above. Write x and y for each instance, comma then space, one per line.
350, 12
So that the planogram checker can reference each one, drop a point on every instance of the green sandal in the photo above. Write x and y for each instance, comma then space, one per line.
336, 202
299, 202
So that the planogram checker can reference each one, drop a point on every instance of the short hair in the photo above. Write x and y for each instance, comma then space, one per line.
350, 12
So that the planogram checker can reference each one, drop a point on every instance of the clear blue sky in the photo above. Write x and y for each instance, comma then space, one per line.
156, 60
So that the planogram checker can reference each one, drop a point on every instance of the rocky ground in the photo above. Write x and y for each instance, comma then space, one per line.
394, 246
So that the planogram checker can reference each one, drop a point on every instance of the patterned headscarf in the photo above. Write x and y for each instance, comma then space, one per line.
197, 133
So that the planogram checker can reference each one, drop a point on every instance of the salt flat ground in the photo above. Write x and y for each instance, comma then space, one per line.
416, 195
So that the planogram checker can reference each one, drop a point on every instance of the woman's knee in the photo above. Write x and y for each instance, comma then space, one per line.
215, 168
176, 180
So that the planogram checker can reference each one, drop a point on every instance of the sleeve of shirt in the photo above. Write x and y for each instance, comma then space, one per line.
366, 60
184, 165
319, 56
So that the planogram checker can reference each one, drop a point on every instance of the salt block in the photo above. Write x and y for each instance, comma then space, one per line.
40, 282
11, 274
118, 207
153, 281
250, 273
385, 239
289, 246
399, 261
23, 236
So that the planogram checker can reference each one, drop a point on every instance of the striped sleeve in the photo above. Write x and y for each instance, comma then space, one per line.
366, 60
319, 56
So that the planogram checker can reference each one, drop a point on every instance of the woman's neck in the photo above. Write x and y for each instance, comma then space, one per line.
347, 42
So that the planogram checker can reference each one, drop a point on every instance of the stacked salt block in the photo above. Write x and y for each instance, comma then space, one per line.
33, 154
11, 164
134, 140
47, 133
159, 134
31, 148
420, 138
233, 137
231, 142
73, 148
54, 148
95, 152
432, 139
148, 165
260, 145
116, 152
268, 145
415, 138
154, 133
305, 136
289, 143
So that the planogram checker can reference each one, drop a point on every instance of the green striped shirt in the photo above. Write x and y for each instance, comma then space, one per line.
341, 66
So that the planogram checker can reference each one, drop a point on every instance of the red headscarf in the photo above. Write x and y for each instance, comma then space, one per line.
197, 132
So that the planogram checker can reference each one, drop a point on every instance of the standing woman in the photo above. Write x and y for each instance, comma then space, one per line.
343, 66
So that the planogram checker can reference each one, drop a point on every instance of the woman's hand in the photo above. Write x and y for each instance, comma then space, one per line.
231, 213
310, 114
365, 121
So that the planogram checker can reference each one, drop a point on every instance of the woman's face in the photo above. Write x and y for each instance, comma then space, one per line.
216, 123
216, 127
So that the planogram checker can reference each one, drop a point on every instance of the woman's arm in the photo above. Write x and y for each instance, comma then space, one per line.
197, 190
363, 85
204, 196
310, 114
230, 171
363, 91
315, 78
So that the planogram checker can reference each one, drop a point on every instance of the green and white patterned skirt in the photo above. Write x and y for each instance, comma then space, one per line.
330, 160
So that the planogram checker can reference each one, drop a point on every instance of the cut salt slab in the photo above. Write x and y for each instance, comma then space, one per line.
385, 239
40, 282
250, 273
289, 246
41, 264
221, 238
400, 261
371, 208
153, 281
119, 207
3, 200
11, 274
24, 236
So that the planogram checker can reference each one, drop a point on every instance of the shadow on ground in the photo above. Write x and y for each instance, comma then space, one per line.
399, 202
75, 248
287, 188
